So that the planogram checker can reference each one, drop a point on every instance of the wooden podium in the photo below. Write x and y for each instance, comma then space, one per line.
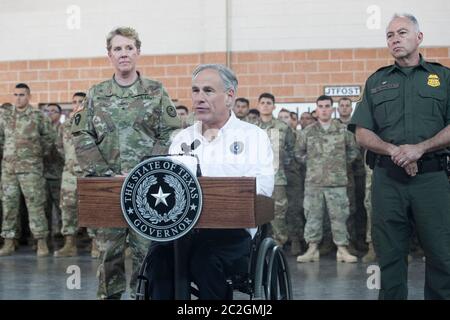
229, 202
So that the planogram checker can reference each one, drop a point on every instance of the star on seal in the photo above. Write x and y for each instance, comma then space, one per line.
160, 197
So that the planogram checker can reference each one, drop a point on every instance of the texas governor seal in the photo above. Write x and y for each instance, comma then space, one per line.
161, 199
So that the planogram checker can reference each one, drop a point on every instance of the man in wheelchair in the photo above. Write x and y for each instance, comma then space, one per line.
225, 146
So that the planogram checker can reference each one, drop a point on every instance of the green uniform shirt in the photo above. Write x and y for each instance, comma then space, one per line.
66, 149
54, 162
326, 153
26, 138
405, 109
118, 126
282, 140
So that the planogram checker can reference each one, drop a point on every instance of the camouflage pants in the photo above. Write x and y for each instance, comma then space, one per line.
111, 271
295, 217
68, 205
317, 201
368, 204
33, 189
1, 206
68, 202
53, 187
279, 225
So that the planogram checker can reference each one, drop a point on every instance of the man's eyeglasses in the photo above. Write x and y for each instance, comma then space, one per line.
51, 111
19, 94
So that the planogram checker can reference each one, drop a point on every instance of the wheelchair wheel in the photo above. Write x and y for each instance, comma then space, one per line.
272, 278
278, 277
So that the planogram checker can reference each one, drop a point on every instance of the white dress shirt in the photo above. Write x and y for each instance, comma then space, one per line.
240, 149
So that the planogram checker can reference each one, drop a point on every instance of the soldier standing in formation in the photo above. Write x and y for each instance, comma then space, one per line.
326, 148
68, 200
356, 177
53, 168
123, 120
26, 136
295, 217
282, 140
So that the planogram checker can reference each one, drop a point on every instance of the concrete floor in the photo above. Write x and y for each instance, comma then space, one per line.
24, 277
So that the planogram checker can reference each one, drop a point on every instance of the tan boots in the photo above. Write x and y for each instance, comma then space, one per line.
42, 248
8, 247
95, 252
311, 255
342, 255
69, 249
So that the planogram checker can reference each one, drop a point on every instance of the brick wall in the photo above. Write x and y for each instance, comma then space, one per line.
292, 76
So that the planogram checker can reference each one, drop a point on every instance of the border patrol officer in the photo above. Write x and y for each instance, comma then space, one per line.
123, 120
404, 118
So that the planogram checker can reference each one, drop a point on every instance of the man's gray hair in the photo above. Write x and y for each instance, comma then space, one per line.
410, 17
226, 74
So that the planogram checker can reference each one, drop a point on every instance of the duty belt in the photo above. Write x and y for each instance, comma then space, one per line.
424, 165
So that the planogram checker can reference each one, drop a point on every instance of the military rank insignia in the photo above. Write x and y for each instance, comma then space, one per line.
433, 80
161, 199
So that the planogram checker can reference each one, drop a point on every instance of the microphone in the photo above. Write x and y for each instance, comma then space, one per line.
195, 144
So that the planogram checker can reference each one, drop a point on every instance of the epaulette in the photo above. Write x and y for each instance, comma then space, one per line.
382, 68
438, 64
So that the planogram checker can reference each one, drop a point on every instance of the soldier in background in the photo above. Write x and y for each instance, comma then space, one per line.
26, 136
68, 200
293, 123
282, 140
123, 120
241, 108
306, 119
5, 107
53, 168
253, 116
285, 116
356, 176
327, 148
295, 178
370, 255
183, 114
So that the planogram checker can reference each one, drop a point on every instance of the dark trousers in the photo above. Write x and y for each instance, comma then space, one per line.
424, 201
211, 256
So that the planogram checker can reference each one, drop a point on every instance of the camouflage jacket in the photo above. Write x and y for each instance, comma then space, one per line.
357, 167
25, 137
326, 153
66, 149
282, 140
54, 162
118, 126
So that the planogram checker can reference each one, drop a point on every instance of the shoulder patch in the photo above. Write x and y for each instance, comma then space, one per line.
77, 119
171, 111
